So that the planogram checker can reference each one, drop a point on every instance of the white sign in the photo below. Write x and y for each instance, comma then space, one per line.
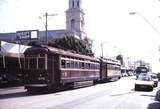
27, 35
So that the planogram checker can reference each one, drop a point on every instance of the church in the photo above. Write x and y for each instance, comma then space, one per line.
74, 26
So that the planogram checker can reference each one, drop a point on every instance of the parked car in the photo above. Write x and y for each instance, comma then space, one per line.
158, 95
124, 74
158, 76
144, 82
155, 80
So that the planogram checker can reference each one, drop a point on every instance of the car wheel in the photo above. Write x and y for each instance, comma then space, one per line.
155, 85
136, 88
151, 88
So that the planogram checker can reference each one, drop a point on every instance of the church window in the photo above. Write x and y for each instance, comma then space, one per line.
72, 4
73, 24
82, 23
78, 4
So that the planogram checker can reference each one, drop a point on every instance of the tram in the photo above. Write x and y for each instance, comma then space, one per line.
50, 68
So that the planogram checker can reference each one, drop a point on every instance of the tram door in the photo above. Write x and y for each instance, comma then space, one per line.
54, 69
104, 71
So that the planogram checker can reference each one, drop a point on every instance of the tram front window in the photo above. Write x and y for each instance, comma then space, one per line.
33, 63
37, 62
41, 63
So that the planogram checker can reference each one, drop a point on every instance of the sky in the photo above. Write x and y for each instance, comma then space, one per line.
106, 21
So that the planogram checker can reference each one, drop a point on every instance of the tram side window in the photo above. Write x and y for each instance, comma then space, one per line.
72, 64
85, 66
63, 64
89, 66
76, 64
116, 67
97, 66
92, 66
68, 64
109, 66
82, 65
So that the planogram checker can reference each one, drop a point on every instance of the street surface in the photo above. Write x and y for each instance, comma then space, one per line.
112, 95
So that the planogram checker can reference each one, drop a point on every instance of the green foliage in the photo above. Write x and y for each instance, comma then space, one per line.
120, 58
73, 44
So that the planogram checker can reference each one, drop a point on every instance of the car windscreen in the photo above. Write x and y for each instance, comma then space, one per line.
154, 76
144, 78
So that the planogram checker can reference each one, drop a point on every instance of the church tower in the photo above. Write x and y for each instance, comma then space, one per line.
75, 18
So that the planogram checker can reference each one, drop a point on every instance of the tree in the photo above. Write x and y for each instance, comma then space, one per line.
73, 44
120, 58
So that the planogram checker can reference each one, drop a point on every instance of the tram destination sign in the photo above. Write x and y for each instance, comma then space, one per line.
27, 35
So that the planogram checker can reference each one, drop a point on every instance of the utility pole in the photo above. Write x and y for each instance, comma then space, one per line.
46, 16
102, 50
46, 25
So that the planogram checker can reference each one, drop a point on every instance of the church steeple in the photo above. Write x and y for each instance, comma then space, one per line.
75, 18
74, 4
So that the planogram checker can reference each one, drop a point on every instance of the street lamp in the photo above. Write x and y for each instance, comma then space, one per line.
145, 19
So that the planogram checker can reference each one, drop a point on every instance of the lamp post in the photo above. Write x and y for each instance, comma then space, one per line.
145, 19
148, 22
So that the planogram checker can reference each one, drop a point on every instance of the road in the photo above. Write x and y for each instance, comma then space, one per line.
112, 95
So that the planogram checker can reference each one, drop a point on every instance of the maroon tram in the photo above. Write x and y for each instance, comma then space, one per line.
51, 68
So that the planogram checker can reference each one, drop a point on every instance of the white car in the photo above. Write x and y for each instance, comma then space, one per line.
144, 82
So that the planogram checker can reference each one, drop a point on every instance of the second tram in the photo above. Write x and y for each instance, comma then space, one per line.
110, 69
